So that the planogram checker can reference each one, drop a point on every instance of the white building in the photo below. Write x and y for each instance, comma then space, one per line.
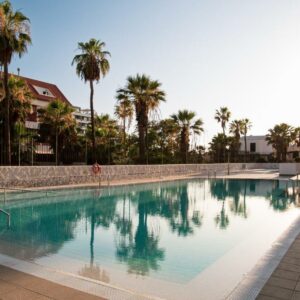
256, 144
83, 118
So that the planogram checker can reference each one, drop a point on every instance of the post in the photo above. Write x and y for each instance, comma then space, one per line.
228, 159
228, 165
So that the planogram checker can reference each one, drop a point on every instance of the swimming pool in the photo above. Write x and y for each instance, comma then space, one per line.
190, 239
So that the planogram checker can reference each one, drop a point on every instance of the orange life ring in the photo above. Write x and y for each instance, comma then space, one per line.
96, 168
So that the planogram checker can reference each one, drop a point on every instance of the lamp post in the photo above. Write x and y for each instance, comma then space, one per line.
228, 159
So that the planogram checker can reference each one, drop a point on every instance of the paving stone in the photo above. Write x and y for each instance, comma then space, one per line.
281, 282
296, 296
291, 260
21, 294
262, 297
6, 287
288, 267
286, 274
277, 292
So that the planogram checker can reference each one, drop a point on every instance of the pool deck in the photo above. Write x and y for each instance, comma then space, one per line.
15, 285
284, 282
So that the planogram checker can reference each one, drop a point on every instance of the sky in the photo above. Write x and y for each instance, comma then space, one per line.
241, 54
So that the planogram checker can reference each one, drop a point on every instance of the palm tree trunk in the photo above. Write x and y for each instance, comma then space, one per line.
142, 121
245, 153
142, 144
147, 146
124, 139
56, 147
7, 141
94, 159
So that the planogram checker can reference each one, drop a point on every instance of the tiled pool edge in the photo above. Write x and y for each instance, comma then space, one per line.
251, 285
83, 284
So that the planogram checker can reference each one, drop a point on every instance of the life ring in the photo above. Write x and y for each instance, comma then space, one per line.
96, 169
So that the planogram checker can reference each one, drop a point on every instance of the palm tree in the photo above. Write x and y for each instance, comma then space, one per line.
19, 107
124, 111
236, 128
222, 116
146, 95
280, 138
91, 65
14, 39
187, 124
246, 126
58, 117
107, 133
20, 100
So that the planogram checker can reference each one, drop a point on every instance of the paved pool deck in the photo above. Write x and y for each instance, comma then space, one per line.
284, 282
15, 285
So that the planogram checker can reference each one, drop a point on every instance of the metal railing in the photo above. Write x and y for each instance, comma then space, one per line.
7, 215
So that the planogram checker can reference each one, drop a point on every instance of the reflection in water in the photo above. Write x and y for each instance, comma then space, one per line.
94, 272
129, 221
141, 253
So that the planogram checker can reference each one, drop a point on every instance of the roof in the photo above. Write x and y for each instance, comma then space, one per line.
55, 92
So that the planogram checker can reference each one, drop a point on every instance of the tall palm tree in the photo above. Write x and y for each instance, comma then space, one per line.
222, 116
280, 138
91, 65
14, 39
146, 95
124, 111
187, 124
246, 126
58, 117
235, 129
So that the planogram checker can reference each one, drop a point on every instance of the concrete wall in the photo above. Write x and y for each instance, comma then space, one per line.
289, 168
61, 175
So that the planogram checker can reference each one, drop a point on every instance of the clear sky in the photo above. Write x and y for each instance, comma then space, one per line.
207, 54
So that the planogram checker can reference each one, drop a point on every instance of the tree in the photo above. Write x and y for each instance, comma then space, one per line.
107, 135
146, 95
57, 120
235, 129
280, 138
14, 39
187, 124
246, 126
124, 111
91, 65
20, 100
218, 145
222, 116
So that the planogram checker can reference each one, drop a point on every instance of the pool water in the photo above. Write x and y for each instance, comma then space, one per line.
149, 237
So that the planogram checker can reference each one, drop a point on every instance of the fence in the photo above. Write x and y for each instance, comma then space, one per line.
29, 151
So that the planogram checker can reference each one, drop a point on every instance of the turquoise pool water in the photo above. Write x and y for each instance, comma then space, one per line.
169, 232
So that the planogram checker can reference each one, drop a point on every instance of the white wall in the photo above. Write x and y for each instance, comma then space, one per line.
262, 146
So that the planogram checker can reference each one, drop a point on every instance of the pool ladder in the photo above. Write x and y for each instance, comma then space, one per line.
7, 215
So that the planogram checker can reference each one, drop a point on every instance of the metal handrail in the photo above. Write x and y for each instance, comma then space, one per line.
7, 215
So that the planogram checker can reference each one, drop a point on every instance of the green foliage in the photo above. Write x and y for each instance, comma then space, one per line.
145, 95
58, 127
280, 138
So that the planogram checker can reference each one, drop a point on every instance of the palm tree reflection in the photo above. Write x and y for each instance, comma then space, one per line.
141, 253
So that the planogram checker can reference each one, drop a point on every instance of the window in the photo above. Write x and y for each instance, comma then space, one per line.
43, 91
252, 147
